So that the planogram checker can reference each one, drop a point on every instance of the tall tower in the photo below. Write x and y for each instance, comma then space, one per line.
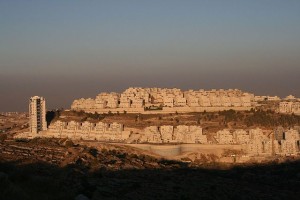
37, 114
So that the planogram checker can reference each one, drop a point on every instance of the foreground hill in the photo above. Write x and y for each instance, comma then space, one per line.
57, 169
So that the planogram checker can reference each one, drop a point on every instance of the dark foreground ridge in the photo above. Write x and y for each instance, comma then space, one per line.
44, 181
114, 174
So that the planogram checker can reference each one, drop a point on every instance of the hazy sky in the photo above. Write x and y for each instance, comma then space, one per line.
64, 50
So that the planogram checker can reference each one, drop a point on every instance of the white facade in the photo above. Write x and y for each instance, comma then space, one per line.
37, 114
289, 107
88, 131
225, 137
169, 134
144, 97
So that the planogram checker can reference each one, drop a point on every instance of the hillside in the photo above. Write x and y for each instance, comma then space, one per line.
58, 169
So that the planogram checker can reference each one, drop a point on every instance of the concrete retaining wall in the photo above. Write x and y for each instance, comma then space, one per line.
174, 150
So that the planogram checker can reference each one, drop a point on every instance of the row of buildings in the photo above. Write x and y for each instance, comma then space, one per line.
256, 142
253, 141
87, 131
276, 98
171, 134
289, 107
164, 97
115, 132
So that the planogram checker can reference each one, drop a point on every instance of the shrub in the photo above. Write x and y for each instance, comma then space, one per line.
3, 137
69, 143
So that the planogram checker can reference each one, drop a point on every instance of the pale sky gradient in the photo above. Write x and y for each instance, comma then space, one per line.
64, 50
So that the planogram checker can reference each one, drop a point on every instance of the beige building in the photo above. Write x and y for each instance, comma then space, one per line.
260, 144
133, 99
225, 137
37, 114
151, 134
170, 134
290, 143
289, 107
267, 98
87, 131
241, 136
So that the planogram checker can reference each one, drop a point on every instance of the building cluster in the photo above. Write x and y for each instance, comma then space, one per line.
267, 98
115, 132
88, 131
8, 114
275, 98
164, 97
171, 134
289, 107
255, 142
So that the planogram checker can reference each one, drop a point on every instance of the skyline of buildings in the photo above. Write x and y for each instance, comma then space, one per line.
137, 99
171, 44
136, 103
171, 100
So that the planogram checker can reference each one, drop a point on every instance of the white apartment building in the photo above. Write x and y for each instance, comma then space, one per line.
241, 136
289, 107
88, 131
37, 114
138, 98
225, 137
169, 134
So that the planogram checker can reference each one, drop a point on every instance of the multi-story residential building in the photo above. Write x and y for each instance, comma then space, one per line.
88, 131
171, 98
204, 101
241, 136
180, 101
37, 114
289, 107
225, 137
168, 101
279, 133
169, 134
290, 97
289, 147
151, 134
225, 101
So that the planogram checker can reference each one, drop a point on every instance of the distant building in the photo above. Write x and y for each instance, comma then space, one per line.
289, 107
267, 98
37, 114
225, 137
290, 97
135, 99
